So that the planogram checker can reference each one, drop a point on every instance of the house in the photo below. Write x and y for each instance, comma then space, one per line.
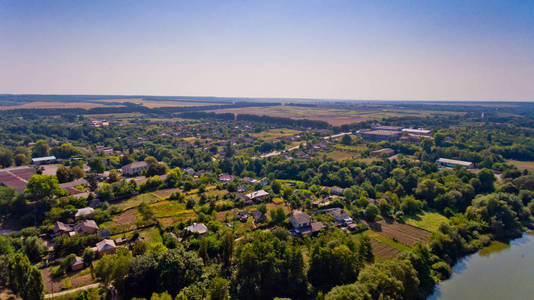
86, 227
243, 216
77, 264
61, 228
43, 160
388, 128
104, 233
241, 188
341, 217
380, 135
135, 168
300, 220
104, 150
258, 216
225, 177
303, 225
453, 162
418, 131
337, 191
71, 186
191, 171
94, 203
264, 181
256, 196
197, 228
383, 152
105, 247
84, 212
249, 180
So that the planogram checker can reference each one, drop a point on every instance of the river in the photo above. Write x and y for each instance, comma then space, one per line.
501, 271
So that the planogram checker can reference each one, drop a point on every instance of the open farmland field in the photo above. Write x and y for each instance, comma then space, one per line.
401, 233
333, 116
29, 105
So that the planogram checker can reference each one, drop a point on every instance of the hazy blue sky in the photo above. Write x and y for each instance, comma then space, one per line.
479, 50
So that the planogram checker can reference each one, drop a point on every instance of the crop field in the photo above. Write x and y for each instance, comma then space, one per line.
401, 233
334, 116
382, 250
29, 105
427, 220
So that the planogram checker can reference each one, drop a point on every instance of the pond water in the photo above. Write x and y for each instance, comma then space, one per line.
501, 271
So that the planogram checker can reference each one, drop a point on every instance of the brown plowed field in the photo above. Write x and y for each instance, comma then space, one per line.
383, 250
402, 233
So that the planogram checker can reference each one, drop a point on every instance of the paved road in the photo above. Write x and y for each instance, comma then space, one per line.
85, 287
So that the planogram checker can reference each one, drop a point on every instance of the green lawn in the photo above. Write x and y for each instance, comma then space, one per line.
427, 220
151, 235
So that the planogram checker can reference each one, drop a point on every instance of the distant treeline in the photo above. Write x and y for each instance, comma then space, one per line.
284, 121
255, 118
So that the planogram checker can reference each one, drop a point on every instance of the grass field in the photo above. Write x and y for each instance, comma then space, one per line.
522, 165
135, 201
339, 155
427, 220
171, 212
272, 134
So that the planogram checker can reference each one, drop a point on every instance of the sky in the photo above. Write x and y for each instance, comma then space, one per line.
390, 50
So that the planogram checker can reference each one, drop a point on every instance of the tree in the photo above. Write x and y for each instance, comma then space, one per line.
63, 174
227, 248
6, 158
365, 251
178, 268
33, 247
278, 215
487, 178
97, 165
112, 269
346, 140
77, 172
21, 159
43, 187
219, 289
23, 278
40, 149
371, 212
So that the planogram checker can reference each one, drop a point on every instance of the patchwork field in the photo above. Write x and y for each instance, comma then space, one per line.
402, 233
